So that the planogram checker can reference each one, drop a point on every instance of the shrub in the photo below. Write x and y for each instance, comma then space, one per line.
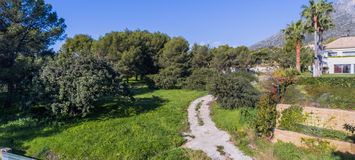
350, 128
199, 79
168, 78
233, 91
282, 78
317, 145
292, 117
266, 117
71, 86
348, 82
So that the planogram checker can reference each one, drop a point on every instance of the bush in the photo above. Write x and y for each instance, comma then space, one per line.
233, 91
199, 79
168, 78
266, 117
348, 82
71, 86
291, 118
282, 78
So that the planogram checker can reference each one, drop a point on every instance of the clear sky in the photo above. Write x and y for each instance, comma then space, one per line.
214, 22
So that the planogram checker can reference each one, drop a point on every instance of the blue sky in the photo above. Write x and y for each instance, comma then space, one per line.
214, 22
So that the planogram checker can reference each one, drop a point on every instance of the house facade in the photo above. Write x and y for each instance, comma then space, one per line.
339, 56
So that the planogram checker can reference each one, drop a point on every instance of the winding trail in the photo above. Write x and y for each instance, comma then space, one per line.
206, 136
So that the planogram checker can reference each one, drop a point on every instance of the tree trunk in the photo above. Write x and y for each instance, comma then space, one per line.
316, 63
298, 55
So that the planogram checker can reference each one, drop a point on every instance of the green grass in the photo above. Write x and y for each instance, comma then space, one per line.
324, 96
232, 121
338, 75
149, 128
323, 133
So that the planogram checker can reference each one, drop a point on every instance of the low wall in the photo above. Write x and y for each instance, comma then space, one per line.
325, 118
296, 138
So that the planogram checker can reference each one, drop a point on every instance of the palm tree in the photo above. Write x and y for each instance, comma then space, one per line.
318, 19
294, 33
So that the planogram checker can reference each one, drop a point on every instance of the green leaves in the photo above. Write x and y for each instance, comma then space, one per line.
234, 91
71, 86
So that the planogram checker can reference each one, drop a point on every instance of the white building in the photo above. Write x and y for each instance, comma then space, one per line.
339, 57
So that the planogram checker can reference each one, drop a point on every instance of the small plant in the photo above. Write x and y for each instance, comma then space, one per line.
317, 145
266, 117
349, 128
220, 149
292, 117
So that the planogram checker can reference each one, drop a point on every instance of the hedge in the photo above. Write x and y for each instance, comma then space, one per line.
328, 81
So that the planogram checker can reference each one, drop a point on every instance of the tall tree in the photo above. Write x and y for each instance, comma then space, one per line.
318, 19
201, 56
294, 33
113, 45
80, 44
229, 59
27, 27
175, 54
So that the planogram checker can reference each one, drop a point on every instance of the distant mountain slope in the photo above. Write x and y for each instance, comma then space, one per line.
344, 20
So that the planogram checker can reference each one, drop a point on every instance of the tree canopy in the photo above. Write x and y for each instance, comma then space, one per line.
27, 28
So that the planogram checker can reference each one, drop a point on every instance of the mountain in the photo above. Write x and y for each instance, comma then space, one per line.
343, 18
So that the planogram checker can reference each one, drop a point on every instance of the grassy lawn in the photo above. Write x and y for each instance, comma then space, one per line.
324, 96
149, 128
244, 138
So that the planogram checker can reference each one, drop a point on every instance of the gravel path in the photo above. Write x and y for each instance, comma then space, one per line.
206, 136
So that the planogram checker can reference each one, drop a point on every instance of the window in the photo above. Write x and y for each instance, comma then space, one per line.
331, 54
342, 68
351, 53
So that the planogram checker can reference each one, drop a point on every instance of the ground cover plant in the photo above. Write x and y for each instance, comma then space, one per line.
113, 132
322, 96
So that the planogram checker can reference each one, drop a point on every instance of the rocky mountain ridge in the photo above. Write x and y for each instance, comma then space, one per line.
343, 18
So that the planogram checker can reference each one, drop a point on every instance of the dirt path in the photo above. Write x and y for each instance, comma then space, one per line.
206, 136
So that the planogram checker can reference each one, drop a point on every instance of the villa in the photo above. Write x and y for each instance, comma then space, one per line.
339, 57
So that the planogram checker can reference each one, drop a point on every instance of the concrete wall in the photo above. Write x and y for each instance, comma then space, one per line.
325, 118
296, 138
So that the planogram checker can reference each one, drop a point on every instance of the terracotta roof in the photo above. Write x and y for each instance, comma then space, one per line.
343, 42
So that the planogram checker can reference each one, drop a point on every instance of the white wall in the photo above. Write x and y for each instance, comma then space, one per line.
331, 61
347, 60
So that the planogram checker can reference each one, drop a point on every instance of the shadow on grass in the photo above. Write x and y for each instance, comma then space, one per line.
141, 90
344, 156
13, 135
118, 107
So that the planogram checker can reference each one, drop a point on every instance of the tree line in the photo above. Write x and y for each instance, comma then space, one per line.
36, 80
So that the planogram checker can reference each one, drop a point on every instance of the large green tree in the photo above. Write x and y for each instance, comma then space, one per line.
318, 19
201, 56
69, 87
174, 61
228, 59
79, 45
294, 33
117, 45
28, 28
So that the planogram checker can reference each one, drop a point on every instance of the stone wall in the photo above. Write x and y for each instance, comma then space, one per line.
325, 118
296, 138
